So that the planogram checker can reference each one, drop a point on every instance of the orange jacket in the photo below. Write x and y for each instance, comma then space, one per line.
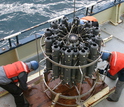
116, 62
14, 69
90, 18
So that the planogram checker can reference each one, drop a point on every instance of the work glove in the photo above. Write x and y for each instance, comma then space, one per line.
101, 71
104, 71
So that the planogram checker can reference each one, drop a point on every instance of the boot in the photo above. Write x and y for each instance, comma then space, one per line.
26, 103
114, 97
21, 101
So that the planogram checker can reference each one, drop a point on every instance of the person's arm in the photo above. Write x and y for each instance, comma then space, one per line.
22, 77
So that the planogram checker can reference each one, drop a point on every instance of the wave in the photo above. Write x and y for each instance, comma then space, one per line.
18, 15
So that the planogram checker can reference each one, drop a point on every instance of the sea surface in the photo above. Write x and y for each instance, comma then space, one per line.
17, 15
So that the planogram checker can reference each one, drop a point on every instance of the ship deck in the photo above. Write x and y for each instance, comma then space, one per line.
115, 44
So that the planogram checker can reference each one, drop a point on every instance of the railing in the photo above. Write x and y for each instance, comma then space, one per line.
89, 10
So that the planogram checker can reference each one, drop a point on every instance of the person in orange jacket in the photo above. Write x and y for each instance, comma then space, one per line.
114, 70
17, 72
90, 18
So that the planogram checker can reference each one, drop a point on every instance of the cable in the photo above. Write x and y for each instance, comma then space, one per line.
74, 9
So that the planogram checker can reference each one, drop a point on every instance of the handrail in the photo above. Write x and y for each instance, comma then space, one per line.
87, 7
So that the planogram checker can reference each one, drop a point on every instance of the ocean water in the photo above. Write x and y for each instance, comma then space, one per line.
17, 15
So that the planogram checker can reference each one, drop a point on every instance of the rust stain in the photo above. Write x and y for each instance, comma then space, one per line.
38, 98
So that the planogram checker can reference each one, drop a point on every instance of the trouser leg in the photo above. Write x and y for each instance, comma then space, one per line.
116, 95
19, 100
17, 93
119, 87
